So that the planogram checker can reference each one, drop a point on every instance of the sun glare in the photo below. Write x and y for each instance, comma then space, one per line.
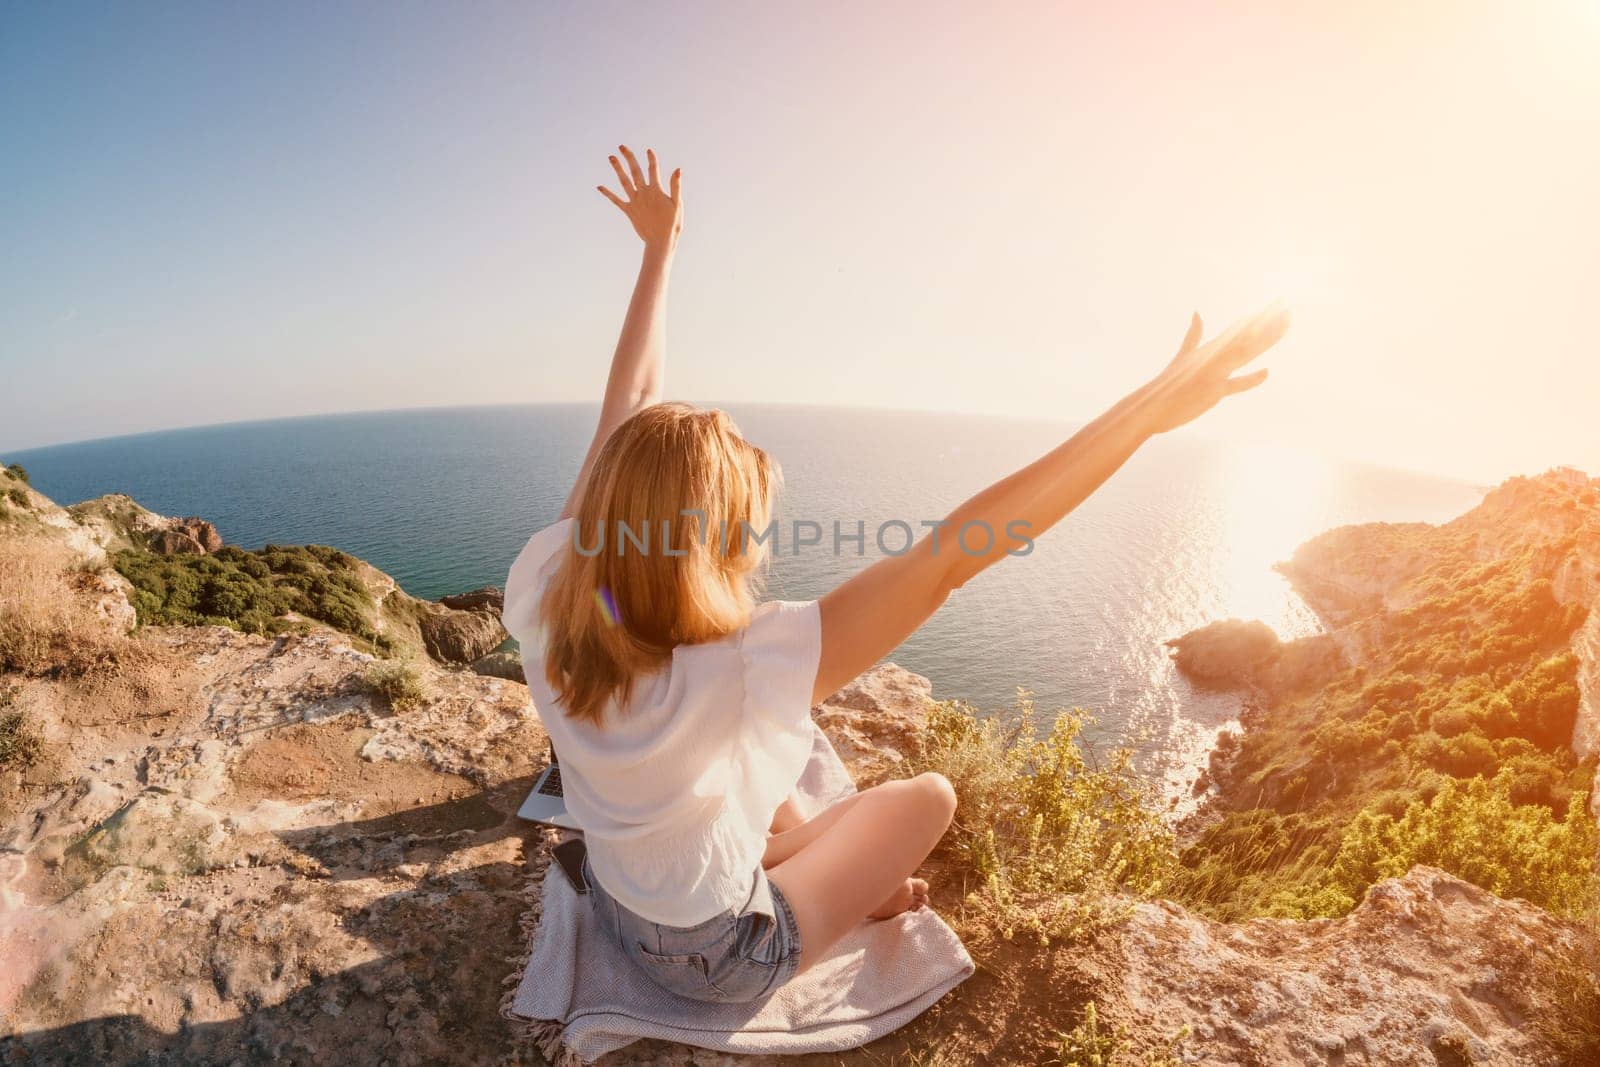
1269, 526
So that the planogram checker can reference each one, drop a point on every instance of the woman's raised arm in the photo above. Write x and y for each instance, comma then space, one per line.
638, 367
873, 611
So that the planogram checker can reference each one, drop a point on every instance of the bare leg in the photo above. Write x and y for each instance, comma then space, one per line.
787, 817
912, 894
862, 857
780, 846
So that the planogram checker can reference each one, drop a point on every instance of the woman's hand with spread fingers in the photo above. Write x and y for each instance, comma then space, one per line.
1202, 374
656, 211
639, 364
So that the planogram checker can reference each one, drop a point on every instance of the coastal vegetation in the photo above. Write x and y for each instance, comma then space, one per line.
1448, 744
1440, 736
13, 479
1049, 838
265, 591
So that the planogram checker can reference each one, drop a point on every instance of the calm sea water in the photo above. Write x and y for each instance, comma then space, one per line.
1185, 534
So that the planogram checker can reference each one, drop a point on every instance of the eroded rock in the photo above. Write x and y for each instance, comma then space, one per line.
506, 665
453, 636
489, 598
874, 721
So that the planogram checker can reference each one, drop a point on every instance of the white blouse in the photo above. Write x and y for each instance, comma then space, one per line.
675, 792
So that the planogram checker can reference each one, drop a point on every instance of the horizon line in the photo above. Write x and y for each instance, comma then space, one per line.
1475, 483
419, 408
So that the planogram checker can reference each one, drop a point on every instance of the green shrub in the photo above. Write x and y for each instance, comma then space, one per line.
17, 471
1475, 830
1043, 835
400, 684
252, 591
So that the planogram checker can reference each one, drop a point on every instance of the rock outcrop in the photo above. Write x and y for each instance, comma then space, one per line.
121, 522
489, 598
184, 535
1227, 653
501, 665
472, 632
874, 721
454, 636
260, 863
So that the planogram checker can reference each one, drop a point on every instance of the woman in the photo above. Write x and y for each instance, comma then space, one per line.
681, 711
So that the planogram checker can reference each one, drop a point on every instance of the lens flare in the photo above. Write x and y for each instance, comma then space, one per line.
607, 605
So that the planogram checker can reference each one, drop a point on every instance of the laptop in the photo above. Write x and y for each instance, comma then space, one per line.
546, 804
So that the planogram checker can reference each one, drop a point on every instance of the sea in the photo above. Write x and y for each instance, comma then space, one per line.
1185, 534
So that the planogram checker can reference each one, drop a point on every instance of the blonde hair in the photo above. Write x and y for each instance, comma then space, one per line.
612, 614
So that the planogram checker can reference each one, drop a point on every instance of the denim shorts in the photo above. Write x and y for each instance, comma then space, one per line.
739, 955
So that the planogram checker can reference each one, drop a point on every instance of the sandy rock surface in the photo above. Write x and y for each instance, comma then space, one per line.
281, 871
1427, 968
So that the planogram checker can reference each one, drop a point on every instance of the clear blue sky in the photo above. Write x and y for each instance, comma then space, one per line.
225, 211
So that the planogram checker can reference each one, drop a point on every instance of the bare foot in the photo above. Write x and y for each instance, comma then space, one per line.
912, 895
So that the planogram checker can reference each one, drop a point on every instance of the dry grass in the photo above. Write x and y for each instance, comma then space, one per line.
398, 683
48, 621
1572, 988
1096, 1043
19, 744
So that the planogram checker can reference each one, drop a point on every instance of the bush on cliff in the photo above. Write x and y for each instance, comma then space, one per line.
1476, 831
398, 684
252, 591
1045, 833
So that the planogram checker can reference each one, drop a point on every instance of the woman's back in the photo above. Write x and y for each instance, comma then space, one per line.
675, 788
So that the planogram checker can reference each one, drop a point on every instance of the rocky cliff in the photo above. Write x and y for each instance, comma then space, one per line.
223, 847
1357, 574
1447, 715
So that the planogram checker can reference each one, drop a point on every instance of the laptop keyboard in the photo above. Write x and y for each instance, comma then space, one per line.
551, 785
